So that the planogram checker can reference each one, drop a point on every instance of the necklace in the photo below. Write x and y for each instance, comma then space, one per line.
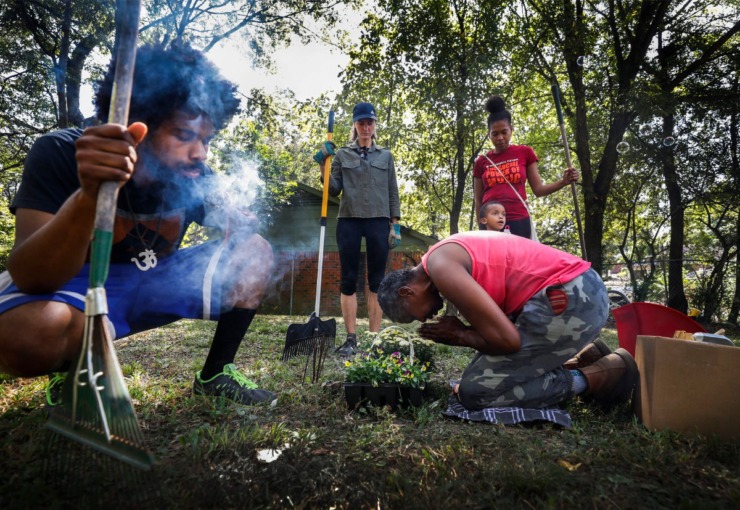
148, 256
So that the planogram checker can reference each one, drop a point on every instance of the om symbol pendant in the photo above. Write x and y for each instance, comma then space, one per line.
148, 260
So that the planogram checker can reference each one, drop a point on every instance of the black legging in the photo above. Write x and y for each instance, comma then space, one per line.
350, 232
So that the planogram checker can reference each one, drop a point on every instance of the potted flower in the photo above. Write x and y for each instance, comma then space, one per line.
385, 378
397, 339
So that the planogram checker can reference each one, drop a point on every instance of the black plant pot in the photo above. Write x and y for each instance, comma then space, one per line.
393, 395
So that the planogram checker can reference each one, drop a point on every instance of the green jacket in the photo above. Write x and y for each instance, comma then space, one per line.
368, 186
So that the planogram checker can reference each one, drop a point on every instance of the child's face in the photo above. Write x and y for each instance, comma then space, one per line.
495, 218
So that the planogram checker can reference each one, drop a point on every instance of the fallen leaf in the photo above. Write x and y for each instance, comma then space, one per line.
567, 465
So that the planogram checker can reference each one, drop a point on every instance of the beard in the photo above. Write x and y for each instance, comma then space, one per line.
177, 185
153, 170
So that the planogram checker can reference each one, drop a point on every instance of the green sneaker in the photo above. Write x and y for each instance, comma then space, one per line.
54, 388
232, 384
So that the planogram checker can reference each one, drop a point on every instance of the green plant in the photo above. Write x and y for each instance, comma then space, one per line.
376, 367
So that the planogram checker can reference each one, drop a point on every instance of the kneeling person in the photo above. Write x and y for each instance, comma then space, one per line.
531, 309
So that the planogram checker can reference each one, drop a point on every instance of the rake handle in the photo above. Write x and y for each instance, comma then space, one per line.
327, 169
127, 31
574, 193
324, 207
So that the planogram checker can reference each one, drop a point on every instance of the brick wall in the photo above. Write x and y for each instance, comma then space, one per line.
293, 291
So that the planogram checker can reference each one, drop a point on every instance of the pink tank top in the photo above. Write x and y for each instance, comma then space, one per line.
512, 269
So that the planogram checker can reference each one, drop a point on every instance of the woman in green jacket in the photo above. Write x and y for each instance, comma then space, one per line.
364, 174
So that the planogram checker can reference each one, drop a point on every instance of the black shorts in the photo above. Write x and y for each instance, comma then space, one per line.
350, 232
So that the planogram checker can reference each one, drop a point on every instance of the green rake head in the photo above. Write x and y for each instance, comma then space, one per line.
96, 408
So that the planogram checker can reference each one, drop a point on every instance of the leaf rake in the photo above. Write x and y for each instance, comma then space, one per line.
96, 408
315, 337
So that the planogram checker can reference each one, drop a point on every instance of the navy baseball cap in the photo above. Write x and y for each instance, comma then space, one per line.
363, 111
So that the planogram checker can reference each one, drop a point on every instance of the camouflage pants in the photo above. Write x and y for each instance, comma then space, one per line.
534, 377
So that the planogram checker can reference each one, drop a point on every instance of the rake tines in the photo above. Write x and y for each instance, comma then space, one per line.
301, 347
313, 340
319, 347
77, 476
299, 339
96, 408
98, 454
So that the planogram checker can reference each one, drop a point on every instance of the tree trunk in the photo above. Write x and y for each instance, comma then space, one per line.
735, 308
713, 298
74, 79
676, 295
595, 198
60, 66
593, 226
459, 176
735, 173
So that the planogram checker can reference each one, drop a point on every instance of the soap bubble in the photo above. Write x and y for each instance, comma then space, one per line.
623, 147
582, 61
645, 130
669, 141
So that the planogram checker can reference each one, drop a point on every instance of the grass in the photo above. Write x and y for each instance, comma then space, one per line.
209, 451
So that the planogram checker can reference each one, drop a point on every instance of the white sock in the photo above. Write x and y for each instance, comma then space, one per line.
580, 384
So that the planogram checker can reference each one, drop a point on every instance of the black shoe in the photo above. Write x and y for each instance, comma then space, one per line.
232, 384
349, 347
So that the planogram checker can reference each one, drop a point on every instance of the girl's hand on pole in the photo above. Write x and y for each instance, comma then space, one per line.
571, 175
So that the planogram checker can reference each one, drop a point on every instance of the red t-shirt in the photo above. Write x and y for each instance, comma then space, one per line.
513, 163
512, 269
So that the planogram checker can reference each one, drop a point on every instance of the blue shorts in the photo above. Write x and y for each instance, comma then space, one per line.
184, 285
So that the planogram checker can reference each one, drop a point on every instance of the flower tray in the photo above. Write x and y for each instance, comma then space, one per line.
363, 394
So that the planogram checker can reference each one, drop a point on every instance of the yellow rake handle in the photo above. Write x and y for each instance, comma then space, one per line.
327, 171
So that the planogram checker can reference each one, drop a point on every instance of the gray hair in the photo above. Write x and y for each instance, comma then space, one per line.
388, 297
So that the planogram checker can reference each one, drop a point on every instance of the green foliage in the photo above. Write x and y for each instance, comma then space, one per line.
7, 232
392, 357
264, 25
375, 367
432, 64
618, 89
276, 139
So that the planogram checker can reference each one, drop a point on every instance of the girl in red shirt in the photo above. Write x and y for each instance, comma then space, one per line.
501, 174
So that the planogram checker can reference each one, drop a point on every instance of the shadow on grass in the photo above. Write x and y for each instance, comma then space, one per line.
211, 453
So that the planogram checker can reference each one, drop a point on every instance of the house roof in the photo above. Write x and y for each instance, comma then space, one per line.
317, 194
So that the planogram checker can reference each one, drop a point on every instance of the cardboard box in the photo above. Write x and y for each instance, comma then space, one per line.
688, 386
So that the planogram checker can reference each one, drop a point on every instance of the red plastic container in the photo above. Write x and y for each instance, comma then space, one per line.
650, 319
